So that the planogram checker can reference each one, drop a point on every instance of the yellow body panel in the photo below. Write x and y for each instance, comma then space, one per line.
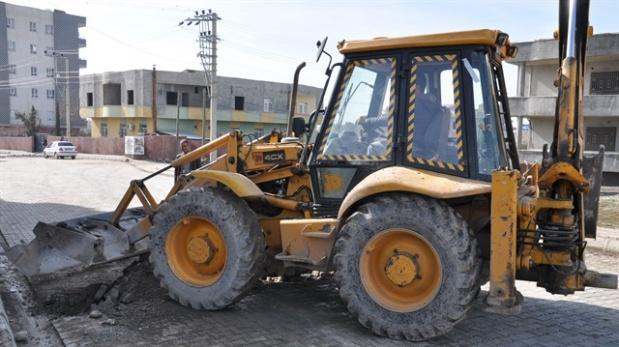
241, 186
310, 239
401, 179
473, 37
504, 228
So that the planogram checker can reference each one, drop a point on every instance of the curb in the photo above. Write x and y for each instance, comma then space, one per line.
91, 156
608, 245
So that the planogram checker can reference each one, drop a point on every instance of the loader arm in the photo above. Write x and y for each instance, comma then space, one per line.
540, 214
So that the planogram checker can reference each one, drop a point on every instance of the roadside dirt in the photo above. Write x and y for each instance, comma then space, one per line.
25, 315
608, 215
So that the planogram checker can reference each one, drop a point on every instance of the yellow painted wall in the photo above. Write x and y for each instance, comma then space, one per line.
116, 112
113, 126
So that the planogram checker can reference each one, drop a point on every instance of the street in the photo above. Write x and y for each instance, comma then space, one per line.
301, 313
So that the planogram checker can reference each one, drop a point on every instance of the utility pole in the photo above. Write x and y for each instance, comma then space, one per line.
56, 56
207, 40
67, 97
154, 101
178, 114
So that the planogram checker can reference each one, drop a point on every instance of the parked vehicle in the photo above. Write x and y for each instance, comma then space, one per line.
60, 149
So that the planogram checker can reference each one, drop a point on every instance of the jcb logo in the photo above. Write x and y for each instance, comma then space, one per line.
273, 157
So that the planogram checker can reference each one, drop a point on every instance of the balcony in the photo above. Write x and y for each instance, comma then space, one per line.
544, 106
81, 43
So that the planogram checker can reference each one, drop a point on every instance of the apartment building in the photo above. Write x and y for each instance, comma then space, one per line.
538, 63
28, 39
147, 101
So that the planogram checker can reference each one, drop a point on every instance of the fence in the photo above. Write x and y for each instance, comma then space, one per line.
17, 143
157, 147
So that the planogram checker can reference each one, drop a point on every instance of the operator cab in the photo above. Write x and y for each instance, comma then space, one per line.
431, 102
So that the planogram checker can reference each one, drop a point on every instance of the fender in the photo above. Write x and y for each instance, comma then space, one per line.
402, 179
242, 186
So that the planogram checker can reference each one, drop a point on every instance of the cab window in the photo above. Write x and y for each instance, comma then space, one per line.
362, 126
435, 113
490, 150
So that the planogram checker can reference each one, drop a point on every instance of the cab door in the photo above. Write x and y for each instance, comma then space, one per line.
434, 131
357, 135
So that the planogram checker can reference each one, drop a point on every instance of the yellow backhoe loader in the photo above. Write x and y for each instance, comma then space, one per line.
407, 185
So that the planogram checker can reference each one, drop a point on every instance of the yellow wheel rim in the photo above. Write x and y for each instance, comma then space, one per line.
400, 270
196, 251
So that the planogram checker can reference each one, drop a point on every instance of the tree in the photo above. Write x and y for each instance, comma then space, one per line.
31, 121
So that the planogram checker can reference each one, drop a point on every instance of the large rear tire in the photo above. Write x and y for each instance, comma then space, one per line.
407, 266
206, 247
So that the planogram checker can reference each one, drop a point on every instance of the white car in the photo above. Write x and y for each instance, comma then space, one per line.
60, 149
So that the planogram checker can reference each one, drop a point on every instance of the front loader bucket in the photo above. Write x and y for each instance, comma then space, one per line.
78, 255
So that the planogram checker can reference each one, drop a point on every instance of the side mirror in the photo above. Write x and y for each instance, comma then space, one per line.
298, 126
321, 47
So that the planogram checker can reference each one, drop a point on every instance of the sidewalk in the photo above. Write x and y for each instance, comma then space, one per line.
607, 240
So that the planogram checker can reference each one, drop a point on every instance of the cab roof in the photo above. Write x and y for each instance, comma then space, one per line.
484, 37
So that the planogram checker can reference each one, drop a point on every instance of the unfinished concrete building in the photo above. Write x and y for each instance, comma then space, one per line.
147, 101
535, 102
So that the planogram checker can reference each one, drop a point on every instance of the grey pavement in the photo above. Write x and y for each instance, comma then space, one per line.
310, 313
34, 189
307, 313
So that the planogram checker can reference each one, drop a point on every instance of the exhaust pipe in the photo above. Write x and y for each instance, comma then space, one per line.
293, 97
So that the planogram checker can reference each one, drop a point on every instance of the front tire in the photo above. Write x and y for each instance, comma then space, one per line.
407, 266
206, 247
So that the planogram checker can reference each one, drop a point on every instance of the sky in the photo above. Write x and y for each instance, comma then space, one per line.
267, 39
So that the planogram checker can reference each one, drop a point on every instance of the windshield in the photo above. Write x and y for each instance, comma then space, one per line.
491, 152
65, 144
362, 125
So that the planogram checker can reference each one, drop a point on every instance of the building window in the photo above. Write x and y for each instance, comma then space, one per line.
11, 46
34, 92
13, 91
171, 98
129, 97
600, 136
49, 29
50, 93
112, 94
268, 105
49, 72
10, 23
33, 48
12, 69
196, 90
33, 71
143, 126
103, 129
123, 129
33, 26
89, 99
606, 82
239, 103
185, 99
303, 108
